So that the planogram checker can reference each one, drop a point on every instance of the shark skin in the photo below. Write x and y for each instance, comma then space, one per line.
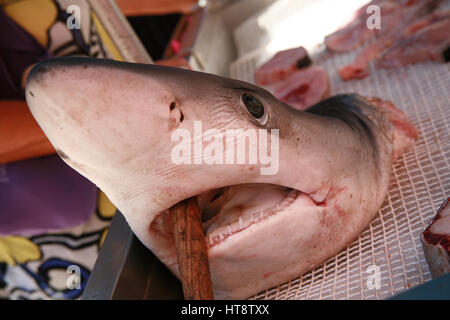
112, 122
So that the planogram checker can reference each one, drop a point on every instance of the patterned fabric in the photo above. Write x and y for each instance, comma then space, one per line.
18, 50
39, 267
36, 263
34, 30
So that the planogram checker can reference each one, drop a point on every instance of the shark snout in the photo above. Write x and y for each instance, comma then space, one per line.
37, 71
46, 80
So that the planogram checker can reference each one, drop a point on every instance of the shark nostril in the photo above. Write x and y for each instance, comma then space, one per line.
176, 115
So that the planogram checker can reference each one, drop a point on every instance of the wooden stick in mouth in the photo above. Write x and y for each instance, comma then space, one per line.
191, 250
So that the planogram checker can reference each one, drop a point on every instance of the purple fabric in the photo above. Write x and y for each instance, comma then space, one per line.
18, 50
43, 194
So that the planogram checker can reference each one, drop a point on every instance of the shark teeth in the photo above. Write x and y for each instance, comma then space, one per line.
217, 235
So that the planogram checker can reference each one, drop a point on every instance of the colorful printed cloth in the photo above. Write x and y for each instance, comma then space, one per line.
52, 220
18, 50
36, 196
42, 266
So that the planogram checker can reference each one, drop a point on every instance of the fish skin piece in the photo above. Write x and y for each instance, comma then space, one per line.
355, 33
112, 122
436, 241
281, 65
405, 134
425, 40
291, 78
303, 88
391, 31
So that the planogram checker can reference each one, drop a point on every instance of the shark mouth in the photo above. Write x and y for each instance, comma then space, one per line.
231, 209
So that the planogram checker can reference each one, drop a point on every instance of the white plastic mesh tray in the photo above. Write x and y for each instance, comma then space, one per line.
420, 181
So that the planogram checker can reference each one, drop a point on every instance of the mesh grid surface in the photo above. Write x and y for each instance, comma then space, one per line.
420, 181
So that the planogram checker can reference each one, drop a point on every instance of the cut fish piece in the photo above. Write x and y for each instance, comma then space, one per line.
404, 131
425, 40
281, 65
392, 30
303, 88
355, 33
436, 241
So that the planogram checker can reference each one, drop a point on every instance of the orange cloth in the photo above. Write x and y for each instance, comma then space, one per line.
155, 7
21, 136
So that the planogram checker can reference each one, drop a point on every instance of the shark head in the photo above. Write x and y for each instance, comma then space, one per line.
151, 136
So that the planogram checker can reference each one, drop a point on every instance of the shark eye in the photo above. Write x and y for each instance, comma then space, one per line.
255, 108
253, 105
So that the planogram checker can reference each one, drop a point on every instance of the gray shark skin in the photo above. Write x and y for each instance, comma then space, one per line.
112, 122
